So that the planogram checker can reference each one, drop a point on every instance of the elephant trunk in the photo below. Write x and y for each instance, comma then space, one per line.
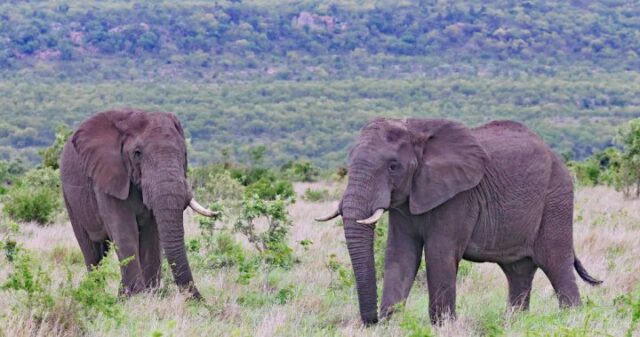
168, 203
360, 245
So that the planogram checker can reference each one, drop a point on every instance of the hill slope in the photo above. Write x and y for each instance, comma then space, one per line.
304, 76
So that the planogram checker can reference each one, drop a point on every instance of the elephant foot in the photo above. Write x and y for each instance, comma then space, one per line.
369, 318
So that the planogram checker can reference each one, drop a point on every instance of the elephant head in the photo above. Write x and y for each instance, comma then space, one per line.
419, 162
125, 149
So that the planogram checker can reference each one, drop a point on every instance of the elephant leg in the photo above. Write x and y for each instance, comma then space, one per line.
150, 259
401, 262
554, 250
93, 252
122, 227
442, 268
520, 277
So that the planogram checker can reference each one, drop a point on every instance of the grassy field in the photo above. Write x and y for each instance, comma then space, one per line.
312, 299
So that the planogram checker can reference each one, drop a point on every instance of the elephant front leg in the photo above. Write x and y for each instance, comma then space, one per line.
122, 228
150, 259
401, 262
442, 267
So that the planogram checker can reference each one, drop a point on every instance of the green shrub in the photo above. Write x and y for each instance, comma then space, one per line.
380, 244
341, 275
413, 326
92, 294
271, 244
300, 171
215, 184
36, 197
315, 195
64, 305
271, 189
51, 155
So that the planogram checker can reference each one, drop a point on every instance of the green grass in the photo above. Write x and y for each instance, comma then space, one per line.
313, 297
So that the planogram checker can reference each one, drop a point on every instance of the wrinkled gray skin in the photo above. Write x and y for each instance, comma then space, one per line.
124, 180
495, 193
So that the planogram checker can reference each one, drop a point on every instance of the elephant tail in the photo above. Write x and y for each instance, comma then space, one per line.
583, 273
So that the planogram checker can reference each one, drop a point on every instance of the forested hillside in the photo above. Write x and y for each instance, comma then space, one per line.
306, 75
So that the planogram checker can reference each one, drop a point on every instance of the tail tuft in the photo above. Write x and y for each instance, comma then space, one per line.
583, 273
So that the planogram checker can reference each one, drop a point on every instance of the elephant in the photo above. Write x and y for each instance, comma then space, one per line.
123, 176
495, 193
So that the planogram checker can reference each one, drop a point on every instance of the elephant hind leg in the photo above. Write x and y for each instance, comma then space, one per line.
553, 249
520, 277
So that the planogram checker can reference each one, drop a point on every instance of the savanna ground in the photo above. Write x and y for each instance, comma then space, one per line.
315, 297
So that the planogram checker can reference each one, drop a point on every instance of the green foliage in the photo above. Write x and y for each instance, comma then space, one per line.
613, 167
51, 154
9, 172
629, 305
464, 269
92, 294
629, 170
271, 243
213, 183
32, 281
413, 326
301, 171
67, 305
314, 195
36, 197
341, 274
380, 244
270, 188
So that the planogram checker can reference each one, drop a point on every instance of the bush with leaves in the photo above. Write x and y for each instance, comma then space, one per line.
9, 172
300, 171
51, 154
629, 174
36, 197
271, 244
215, 184
314, 195
65, 305
215, 247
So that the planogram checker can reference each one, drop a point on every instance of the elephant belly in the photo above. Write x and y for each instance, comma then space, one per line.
505, 236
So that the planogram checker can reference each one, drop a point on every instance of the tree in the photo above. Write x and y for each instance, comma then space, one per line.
629, 138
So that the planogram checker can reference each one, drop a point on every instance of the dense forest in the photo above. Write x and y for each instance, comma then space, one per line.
304, 76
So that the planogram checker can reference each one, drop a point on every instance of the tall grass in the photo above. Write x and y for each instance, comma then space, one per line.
310, 299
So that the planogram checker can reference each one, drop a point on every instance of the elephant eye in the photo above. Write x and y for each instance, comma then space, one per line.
394, 166
137, 153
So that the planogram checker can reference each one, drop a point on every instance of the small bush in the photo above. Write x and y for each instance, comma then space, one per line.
51, 155
413, 326
63, 305
36, 197
92, 294
300, 171
271, 189
341, 275
272, 243
213, 184
315, 195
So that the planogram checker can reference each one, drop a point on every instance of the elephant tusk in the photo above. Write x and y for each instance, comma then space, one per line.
372, 219
201, 209
328, 217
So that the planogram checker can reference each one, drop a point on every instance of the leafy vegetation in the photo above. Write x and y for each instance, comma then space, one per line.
614, 167
303, 77
35, 197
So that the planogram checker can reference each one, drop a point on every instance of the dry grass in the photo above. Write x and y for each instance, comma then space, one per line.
607, 235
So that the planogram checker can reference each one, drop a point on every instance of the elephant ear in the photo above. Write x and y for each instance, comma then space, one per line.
98, 141
451, 160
